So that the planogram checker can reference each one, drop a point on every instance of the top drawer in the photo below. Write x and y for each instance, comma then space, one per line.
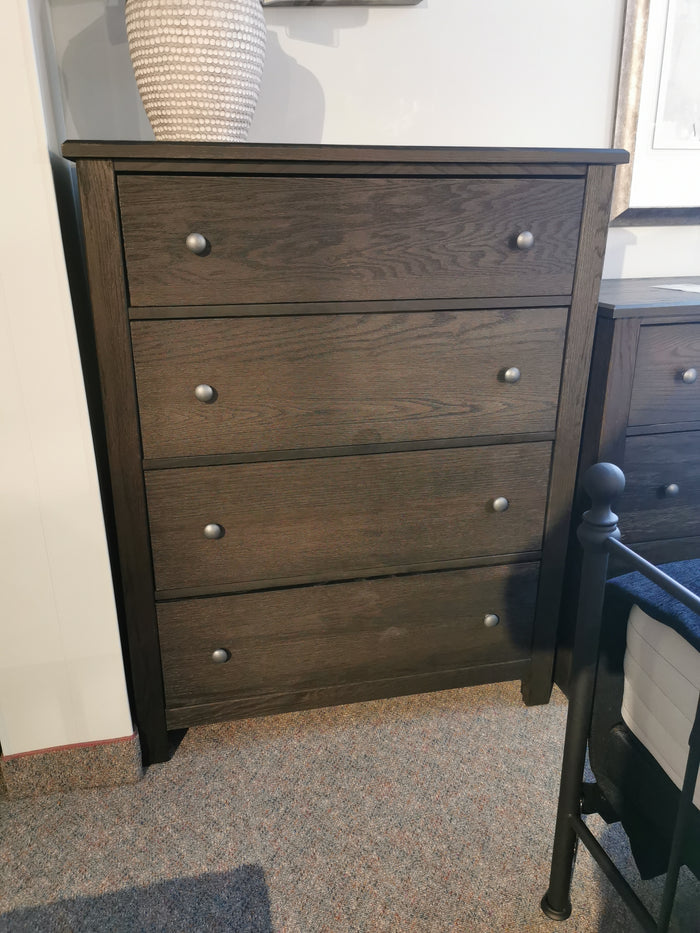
301, 239
666, 384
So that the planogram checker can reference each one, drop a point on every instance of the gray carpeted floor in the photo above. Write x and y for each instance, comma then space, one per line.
431, 813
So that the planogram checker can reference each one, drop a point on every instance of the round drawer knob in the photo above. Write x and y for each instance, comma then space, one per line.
672, 490
196, 243
491, 619
689, 376
512, 375
213, 531
525, 240
500, 504
220, 656
204, 392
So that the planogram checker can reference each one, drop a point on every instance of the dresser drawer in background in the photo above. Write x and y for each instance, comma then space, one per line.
666, 387
216, 386
339, 517
304, 239
662, 491
313, 637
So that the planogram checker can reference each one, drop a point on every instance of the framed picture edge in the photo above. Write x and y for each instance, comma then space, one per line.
272, 4
634, 42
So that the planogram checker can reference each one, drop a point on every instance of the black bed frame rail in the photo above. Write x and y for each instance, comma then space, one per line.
599, 536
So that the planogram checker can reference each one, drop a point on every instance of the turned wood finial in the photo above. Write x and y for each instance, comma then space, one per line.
603, 482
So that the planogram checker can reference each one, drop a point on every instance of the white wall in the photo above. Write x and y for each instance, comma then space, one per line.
445, 72
644, 252
61, 670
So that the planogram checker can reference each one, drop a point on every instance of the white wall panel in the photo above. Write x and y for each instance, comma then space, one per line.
61, 670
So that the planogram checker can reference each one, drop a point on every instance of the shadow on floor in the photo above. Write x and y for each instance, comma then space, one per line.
235, 900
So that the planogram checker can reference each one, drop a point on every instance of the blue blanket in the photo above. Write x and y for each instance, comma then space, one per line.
635, 588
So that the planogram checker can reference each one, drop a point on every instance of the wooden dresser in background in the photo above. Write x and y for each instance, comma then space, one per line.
643, 414
342, 393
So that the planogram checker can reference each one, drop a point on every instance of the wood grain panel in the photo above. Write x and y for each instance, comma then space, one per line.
652, 462
610, 393
333, 239
313, 637
270, 703
312, 453
334, 380
463, 563
322, 153
160, 313
659, 394
671, 427
135, 580
604, 437
644, 298
577, 360
298, 518
241, 167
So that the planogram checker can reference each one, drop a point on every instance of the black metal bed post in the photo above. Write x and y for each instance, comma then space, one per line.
604, 482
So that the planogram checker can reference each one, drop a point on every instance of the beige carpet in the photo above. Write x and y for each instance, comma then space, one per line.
430, 813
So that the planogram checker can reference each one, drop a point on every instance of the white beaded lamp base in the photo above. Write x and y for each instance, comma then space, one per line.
198, 65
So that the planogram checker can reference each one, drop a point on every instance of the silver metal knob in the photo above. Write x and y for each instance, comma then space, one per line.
204, 392
689, 376
512, 374
491, 619
525, 240
213, 531
500, 504
196, 243
672, 490
220, 656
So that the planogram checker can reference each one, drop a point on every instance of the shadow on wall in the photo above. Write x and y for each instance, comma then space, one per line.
101, 99
620, 241
292, 106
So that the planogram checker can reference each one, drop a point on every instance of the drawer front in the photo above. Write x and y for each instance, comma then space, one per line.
342, 516
651, 508
320, 636
336, 239
665, 388
332, 380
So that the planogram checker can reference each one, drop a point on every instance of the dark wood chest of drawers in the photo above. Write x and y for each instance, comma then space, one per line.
643, 414
342, 392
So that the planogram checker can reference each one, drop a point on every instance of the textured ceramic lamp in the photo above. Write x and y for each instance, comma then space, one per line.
198, 65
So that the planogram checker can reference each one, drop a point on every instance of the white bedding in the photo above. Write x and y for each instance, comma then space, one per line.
662, 683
